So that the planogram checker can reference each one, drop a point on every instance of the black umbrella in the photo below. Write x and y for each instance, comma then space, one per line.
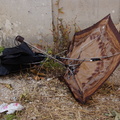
17, 58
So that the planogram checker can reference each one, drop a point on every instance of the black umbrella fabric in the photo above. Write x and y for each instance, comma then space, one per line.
17, 58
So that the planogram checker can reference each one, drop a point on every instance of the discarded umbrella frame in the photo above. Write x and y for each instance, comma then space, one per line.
92, 56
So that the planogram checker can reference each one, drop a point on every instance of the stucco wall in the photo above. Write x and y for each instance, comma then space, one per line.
33, 18
86, 12
30, 18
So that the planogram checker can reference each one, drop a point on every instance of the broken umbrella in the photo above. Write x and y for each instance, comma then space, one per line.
92, 56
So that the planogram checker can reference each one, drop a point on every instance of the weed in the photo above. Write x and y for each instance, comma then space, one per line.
76, 26
60, 10
61, 41
10, 117
52, 68
25, 98
61, 36
1, 49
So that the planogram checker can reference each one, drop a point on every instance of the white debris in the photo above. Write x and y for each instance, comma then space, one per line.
10, 108
48, 79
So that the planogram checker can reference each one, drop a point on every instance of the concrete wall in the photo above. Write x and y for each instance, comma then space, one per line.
86, 12
30, 18
33, 18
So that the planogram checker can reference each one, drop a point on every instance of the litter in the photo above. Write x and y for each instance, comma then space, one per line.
18, 58
10, 108
93, 55
48, 79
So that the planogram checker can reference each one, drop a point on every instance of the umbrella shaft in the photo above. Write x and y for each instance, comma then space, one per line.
49, 56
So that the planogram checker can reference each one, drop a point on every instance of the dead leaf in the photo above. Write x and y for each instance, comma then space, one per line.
60, 10
41, 74
9, 86
38, 78
57, 2
34, 71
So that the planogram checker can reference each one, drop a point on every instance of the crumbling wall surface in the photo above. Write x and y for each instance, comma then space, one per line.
31, 19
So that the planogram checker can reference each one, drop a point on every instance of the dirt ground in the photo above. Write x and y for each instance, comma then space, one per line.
50, 99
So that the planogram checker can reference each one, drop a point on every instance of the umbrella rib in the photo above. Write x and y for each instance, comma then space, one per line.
92, 58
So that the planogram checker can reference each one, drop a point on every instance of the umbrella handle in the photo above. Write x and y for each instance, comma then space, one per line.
19, 39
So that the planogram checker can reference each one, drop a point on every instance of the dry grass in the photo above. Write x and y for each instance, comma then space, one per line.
52, 100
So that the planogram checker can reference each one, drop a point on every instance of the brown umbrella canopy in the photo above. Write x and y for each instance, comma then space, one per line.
93, 55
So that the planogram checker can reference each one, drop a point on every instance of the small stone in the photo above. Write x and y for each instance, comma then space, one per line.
48, 79
33, 118
37, 101
53, 88
119, 89
14, 99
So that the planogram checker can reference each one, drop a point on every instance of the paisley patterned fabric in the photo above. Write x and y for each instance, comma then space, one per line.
94, 54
